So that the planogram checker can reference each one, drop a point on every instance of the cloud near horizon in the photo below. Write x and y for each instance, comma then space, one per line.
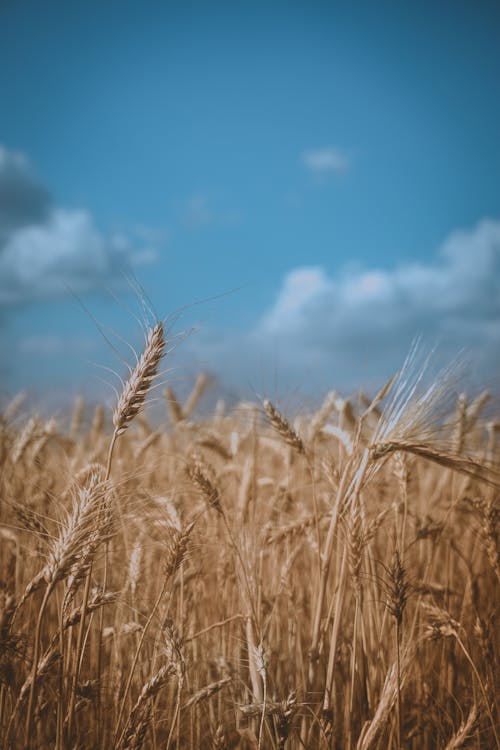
46, 249
355, 327
347, 329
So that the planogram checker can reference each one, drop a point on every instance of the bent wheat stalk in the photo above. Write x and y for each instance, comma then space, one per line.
462, 464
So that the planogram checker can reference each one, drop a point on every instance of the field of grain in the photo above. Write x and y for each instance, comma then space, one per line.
251, 580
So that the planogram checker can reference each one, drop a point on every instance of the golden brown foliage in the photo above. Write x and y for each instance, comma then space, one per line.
239, 582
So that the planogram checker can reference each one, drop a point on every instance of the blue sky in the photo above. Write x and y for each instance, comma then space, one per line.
336, 164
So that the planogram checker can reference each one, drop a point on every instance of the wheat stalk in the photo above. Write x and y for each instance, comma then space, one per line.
141, 377
283, 427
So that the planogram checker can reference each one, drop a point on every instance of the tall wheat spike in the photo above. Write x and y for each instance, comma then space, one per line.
139, 382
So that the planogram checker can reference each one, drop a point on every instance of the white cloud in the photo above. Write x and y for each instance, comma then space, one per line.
46, 249
325, 160
300, 287
355, 327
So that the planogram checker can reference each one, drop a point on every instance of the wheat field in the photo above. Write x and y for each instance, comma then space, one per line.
251, 580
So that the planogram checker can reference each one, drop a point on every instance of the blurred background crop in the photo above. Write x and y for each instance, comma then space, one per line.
314, 183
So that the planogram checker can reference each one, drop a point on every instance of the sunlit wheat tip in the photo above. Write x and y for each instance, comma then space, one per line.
140, 379
283, 427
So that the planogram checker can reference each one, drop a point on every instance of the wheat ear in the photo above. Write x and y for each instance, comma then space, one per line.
283, 427
140, 379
